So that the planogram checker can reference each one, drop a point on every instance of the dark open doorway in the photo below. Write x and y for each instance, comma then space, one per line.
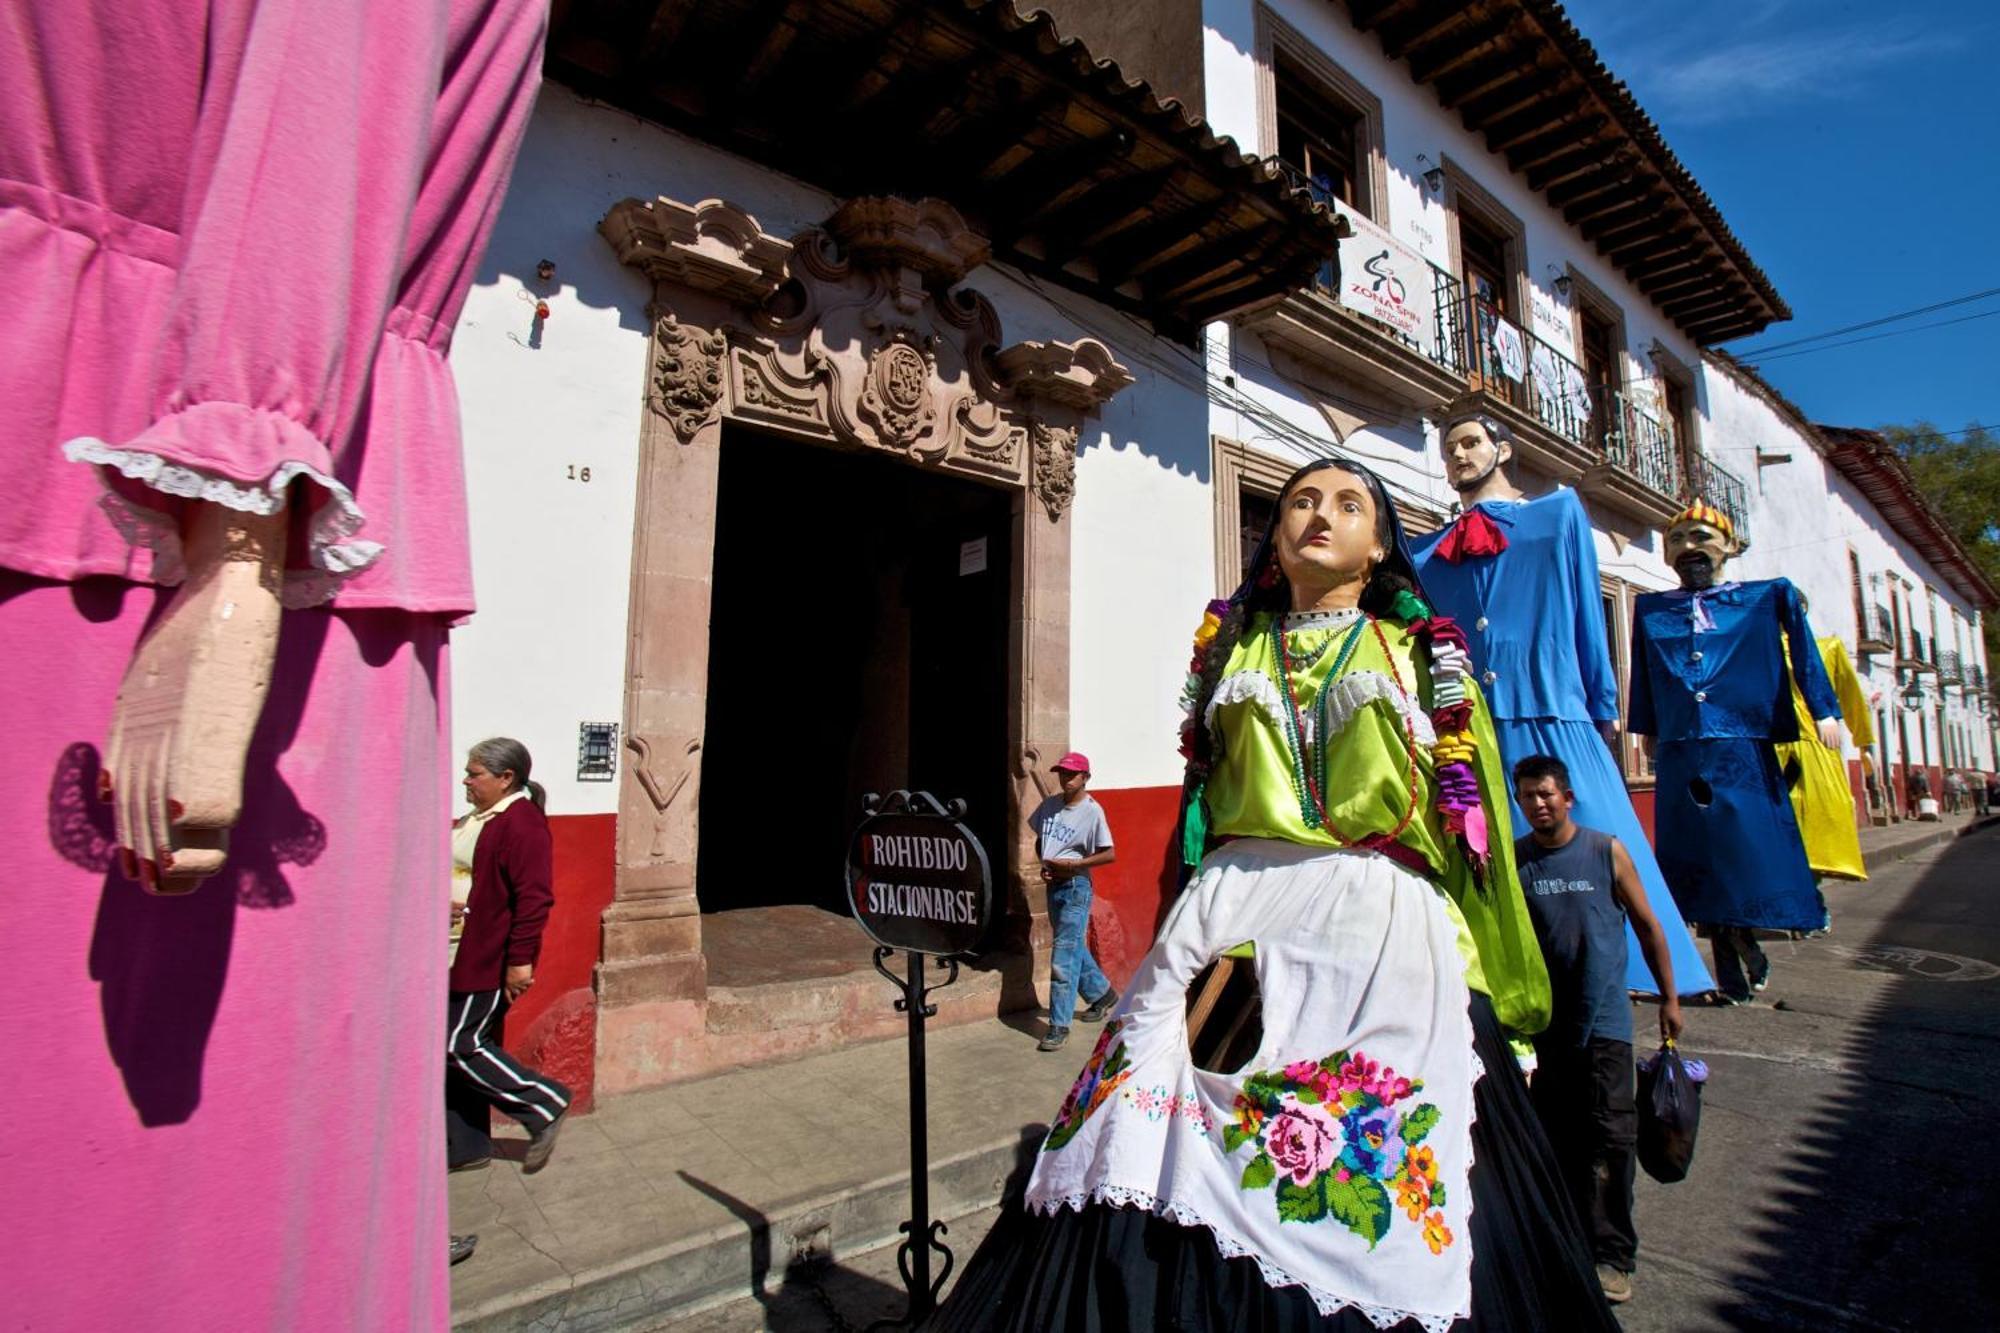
858, 642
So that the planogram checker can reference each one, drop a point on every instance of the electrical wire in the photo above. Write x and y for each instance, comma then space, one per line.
1873, 337
1752, 353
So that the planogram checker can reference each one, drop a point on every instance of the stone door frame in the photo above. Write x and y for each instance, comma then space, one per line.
852, 335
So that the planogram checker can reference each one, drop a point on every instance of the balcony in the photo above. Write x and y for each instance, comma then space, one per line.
1915, 654
1878, 631
1716, 484
1949, 670
1451, 350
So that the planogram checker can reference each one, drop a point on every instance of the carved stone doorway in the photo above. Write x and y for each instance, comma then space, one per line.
857, 642
854, 336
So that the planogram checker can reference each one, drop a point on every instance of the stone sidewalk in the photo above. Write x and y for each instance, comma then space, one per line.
663, 1203
1892, 842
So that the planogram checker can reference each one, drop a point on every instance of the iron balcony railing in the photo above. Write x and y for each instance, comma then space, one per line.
1642, 446
1948, 666
1510, 363
1975, 677
1877, 629
1507, 361
1710, 481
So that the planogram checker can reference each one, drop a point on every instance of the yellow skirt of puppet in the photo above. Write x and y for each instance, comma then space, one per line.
1821, 797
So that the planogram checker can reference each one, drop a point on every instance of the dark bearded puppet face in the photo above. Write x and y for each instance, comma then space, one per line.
1698, 550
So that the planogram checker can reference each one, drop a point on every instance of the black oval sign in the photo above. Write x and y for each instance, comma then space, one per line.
917, 879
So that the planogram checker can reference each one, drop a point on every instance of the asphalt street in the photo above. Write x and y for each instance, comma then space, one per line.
1843, 1178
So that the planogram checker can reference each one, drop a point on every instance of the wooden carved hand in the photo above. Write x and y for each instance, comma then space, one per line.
190, 701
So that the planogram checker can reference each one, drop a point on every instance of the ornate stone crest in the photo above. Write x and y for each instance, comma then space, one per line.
859, 331
687, 375
1055, 466
896, 394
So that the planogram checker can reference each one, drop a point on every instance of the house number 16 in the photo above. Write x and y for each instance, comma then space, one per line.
578, 473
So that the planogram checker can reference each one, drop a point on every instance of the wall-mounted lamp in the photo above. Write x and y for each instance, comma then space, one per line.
1433, 174
546, 270
1561, 281
1913, 695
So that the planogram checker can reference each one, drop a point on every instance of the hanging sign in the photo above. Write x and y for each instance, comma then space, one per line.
1549, 317
1384, 279
917, 879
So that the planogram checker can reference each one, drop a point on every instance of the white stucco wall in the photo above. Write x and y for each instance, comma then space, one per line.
552, 555
1806, 519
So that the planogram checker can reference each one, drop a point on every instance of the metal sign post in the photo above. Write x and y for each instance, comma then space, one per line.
919, 883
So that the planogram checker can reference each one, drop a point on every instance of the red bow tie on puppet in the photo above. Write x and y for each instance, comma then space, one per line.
1473, 534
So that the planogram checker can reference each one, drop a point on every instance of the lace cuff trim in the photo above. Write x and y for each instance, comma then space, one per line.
1326, 1302
334, 555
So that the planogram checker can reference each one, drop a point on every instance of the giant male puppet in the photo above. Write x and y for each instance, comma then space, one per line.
1520, 576
1710, 683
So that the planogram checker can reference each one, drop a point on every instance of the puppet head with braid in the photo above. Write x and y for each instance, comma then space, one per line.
1390, 592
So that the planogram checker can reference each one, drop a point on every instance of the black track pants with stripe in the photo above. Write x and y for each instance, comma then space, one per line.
479, 1074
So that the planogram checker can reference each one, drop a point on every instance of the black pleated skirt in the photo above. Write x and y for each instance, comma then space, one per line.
1107, 1269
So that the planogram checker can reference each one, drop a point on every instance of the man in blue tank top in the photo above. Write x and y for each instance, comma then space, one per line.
1582, 887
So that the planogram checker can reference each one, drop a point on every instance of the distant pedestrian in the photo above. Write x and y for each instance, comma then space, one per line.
504, 845
1072, 838
1581, 887
1954, 791
1918, 785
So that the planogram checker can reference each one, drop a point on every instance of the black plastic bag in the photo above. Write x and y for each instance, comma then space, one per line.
1669, 1113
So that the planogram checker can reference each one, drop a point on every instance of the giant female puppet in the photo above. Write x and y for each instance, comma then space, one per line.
1370, 1159
1520, 576
1711, 680
236, 236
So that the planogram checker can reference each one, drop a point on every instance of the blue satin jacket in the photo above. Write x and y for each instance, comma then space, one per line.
1713, 664
1531, 613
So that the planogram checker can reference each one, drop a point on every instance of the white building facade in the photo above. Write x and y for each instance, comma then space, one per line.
896, 434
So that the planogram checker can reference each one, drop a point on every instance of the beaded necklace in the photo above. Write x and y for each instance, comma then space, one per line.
1305, 780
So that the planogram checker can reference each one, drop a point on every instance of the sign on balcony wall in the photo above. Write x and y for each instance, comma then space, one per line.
1384, 279
1548, 314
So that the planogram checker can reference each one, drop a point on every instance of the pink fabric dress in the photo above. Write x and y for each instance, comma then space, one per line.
235, 238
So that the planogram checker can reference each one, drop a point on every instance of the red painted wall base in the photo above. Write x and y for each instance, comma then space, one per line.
554, 1027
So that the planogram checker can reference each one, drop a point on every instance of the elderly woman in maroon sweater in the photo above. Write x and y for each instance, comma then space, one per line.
503, 847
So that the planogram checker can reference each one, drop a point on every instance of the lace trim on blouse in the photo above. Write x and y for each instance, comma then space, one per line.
1346, 697
334, 557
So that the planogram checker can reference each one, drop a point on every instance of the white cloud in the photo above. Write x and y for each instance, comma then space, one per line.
1727, 82
1725, 60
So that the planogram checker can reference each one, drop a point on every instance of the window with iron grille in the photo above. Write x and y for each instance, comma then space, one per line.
597, 752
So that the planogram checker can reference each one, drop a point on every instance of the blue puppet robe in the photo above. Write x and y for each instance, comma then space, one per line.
1537, 632
1709, 681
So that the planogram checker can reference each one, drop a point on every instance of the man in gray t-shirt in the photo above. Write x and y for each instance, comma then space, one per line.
1072, 837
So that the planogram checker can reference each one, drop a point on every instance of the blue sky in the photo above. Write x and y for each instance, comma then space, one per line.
1855, 150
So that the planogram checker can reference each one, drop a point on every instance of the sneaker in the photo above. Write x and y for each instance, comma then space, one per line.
463, 1246
1760, 974
540, 1144
1617, 1286
1722, 999
1053, 1039
1100, 1007
472, 1164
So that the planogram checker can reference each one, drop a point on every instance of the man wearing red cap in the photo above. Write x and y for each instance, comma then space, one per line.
1072, 838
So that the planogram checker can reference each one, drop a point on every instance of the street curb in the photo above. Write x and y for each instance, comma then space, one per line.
727, 1263
1904, 848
